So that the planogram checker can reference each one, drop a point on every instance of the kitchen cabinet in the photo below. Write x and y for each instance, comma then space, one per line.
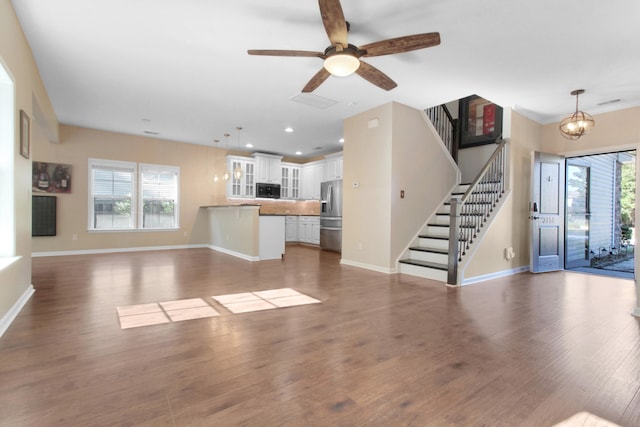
290, 174
245, 186
291, 228
309, 229
271, 237
268, 168
312, 176
333, 167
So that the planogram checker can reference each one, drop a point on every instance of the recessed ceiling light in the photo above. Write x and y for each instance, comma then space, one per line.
249, 145
341, 140
288, 130
298, 153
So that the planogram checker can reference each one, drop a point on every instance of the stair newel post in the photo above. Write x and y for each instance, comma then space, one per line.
454, 241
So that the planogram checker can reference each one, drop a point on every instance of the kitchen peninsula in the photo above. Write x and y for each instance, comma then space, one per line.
253, 231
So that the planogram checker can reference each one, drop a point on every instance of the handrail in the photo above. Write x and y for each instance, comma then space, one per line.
498, 151
445, 125
470, 212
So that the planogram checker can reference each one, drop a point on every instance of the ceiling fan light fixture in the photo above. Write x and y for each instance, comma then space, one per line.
342, 64
577, 124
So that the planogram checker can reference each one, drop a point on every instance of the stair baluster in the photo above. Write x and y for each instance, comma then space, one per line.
469, 213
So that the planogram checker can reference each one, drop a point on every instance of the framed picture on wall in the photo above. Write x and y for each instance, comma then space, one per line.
25, 134
480, 121
51, 178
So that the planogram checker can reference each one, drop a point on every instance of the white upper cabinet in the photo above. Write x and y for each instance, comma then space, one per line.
312, 176
268, 168
291, 180
245, 186
333, 167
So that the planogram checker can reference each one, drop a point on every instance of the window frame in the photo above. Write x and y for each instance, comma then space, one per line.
137, 194
164, 170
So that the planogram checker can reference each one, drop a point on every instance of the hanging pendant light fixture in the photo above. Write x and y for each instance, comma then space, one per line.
226, 174
577, 124
237, 172
215, 162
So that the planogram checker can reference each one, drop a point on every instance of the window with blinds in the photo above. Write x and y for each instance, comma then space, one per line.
159, 190
112, 200
125, 195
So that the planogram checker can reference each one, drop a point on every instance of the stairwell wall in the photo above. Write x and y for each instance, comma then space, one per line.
510, 228
387, 150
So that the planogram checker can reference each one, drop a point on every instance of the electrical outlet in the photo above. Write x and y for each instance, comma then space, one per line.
74, 236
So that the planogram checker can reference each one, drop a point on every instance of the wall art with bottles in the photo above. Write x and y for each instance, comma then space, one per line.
51, 178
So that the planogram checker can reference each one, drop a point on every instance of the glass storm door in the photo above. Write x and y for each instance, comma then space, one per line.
578, 216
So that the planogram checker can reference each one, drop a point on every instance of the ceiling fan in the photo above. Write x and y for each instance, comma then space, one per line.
343, 59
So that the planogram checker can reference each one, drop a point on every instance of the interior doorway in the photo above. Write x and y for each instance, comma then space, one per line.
600, 212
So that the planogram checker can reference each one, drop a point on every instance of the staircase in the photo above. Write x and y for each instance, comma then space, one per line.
428, 256
443, 245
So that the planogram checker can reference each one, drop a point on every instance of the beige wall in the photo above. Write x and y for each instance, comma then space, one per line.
366, 216
17, 59
400, 153
511, 226
77, 145
418, 158
235, 230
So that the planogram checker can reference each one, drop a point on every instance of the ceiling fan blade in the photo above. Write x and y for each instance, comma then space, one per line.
334, 22
271, 52
375, 76
316, 80
401, 44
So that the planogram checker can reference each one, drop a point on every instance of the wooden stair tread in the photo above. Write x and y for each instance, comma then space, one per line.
426, 249
427, 264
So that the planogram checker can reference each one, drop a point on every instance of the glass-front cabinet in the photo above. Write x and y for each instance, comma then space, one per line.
245, 186
290, 181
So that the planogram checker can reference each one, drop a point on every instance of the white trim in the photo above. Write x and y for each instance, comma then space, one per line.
233, 253
496, 275
369, 266
13, 312
117, 250
636, 312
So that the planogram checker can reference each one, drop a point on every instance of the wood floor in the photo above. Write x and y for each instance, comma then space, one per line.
379, 350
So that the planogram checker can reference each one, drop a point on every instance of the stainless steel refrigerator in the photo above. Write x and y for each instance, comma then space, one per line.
331, 215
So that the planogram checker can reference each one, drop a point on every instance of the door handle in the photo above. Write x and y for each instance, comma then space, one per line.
534, 217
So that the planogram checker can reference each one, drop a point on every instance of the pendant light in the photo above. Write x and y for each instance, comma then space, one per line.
237, 172
577, 124
215, 162
226, 174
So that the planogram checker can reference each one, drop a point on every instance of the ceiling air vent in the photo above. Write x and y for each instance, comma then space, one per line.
314, 101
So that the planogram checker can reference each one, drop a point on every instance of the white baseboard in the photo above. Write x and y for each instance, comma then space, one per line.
13, 312
369, 266
497, 274
233, 253
116, 250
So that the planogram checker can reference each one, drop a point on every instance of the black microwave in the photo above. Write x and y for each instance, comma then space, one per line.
269, 191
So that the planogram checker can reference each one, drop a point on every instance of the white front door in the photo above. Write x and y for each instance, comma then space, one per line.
546, 213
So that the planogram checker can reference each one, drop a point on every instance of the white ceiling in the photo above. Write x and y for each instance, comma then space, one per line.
180, 67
